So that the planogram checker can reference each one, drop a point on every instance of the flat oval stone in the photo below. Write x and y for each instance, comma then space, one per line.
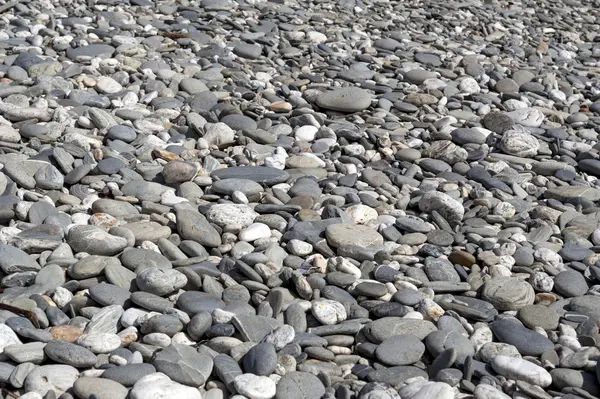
259, 174
400, 350
129, 374
507, 293
71, 354
397, 375
379, 330
229, 186
352, 234
528, 342
347, 99
100, 387
300, 385
521, 369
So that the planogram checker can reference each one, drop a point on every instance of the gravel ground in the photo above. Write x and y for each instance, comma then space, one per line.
299, 199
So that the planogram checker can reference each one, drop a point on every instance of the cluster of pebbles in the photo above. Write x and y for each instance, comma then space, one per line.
299, 199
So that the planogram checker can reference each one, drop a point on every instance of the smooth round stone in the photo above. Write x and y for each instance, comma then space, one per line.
129, 374
193, 302
507, 293
564, 378
465, 135
418, 76
109, 166
258, 174
139, 259
254, 232
261, 359
192, 225
306, 133
91, 266
108, 294
405, 107
484, 391
396, 375
100, 342
449, 208
92, 50
507, 85
160, 282
328, 312
143, 190
95, 241
122, 132
408, 154
347, 99
492, 349
247, 50
179, 171
300, 385
348, 234
588, 305
438, 390
150, 301
528, 342
158, 384
439, 341
591, 166
407, 297
450, 376
231, 215
239, 122
256, 387
192, 86
539, 316
184, 364
32, 352
379, 330
229, 186
498, 122
55, 377
100, 387
114, 208
120, 276
440, 238
166, 324
522, 370
71, 354
570, 284
462, 258
400, 350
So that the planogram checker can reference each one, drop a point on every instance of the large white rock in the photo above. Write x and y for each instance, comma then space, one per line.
484, 391
254, 232
56, 377
255, 387
7, 337
106, 84
100, 342
231, 214
521, 369
159, 386
218, 133
437, 390
519, 143
448, 207
306, 133
530, 117
361, 213
328, 311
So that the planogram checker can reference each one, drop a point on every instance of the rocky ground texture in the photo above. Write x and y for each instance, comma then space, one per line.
343, 199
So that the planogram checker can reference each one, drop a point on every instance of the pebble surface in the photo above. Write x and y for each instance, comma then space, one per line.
349, 199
